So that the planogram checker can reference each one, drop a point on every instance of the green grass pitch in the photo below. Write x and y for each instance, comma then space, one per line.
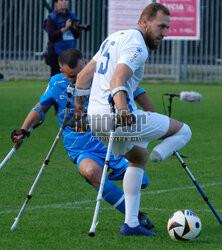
60, 213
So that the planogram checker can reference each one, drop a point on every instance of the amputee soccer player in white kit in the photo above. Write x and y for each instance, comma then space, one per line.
117, 69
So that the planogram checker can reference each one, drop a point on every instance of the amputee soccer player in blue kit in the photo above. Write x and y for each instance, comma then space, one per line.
88, 154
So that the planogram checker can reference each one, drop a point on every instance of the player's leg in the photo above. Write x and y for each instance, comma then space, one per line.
119, 167
132, 182
155, 127
92, 171
177, 137
133, 176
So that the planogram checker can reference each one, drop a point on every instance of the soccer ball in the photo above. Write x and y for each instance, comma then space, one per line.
184, 225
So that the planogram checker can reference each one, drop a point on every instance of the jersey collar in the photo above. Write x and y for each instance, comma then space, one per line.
139, 31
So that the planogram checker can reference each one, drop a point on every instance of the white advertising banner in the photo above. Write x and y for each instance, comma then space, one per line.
125, 14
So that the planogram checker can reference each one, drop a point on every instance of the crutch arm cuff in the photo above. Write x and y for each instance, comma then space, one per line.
117, 89
41, 112
138, 92
81, 92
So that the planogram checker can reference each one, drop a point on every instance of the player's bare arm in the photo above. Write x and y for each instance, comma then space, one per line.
33, 118
85, 76
121, 75
83, 83
143, 100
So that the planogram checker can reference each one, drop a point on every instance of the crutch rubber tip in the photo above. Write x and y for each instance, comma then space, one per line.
91, 234
13, 227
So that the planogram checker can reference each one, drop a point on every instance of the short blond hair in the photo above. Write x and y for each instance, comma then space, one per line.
150, 11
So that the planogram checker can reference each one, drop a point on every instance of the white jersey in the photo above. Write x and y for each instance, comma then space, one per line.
128, 47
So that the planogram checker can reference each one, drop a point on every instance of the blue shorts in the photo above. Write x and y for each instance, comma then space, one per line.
118, 166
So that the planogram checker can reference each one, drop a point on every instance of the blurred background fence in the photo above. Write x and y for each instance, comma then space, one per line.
23, 41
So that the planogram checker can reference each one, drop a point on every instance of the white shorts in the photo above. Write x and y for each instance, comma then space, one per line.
149, 126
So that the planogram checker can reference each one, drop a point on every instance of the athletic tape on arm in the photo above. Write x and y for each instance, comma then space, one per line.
40, 112
138, 92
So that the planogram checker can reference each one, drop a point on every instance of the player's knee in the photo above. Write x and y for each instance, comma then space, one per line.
92, 174
141, 158
171, 143
138, 156
186, 132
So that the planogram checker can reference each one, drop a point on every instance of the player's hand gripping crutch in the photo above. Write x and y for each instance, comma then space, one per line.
197, 186
105, 168
16, 147
46, 161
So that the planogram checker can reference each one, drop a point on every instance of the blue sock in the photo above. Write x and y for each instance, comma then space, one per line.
113, 195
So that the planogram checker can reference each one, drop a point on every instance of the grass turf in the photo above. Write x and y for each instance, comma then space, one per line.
60, 213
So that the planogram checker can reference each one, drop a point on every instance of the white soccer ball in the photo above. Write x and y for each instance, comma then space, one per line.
184, 225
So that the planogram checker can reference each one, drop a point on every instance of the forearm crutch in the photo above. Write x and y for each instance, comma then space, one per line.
46, 161
105, 168
16, 147
8, 156
197, 186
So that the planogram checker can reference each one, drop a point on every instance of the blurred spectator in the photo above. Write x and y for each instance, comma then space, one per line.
62, 32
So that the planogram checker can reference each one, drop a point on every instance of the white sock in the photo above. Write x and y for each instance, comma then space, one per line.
171, 144
131, 185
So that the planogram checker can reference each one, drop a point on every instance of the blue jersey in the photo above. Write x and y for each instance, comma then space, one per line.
78, 146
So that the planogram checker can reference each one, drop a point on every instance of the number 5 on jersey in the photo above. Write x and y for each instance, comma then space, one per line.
102, 70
